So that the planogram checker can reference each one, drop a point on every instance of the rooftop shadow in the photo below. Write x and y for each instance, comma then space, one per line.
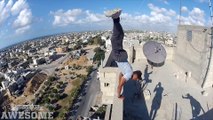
134, 106
156, 64
195, 106
206, 116
146, 77
156, 102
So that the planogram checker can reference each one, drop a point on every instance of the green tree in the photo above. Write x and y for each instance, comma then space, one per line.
89, 69
60, 82
100, 55
51, 78
97, 49
43, 87
47, 83
54, 90
62, 115
98, 41
51, 108
46, 100
58, 86
83, 77
57, 97
77, 46
52, 95
91, 42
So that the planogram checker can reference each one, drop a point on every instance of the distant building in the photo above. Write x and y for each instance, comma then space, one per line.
169, 42
49, 53
67, 67
5, 84
61, 49
19, 80
31, 51
12, 63
1, 96
24, 64
108, 43
28, 75
3, 64
104, 38
85, 41
12, 87
11, 54
17, 71
38, 61
9, 76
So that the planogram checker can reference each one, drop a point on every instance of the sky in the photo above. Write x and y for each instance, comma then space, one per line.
26, 19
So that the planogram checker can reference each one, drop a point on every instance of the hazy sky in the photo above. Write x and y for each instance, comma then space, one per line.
25, 19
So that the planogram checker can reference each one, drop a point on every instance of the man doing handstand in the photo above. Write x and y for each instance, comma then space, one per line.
119, 54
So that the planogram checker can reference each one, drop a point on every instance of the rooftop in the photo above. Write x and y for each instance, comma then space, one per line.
170, 98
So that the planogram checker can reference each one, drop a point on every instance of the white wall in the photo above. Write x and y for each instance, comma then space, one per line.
192, 56
108, 75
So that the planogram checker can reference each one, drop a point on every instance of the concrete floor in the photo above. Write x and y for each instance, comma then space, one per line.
169, 99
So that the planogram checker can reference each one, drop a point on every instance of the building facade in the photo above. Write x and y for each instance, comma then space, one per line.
193, 52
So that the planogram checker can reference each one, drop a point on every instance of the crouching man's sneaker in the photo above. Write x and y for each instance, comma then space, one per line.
113, 13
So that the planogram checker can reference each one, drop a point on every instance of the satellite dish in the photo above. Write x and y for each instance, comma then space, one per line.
154, 52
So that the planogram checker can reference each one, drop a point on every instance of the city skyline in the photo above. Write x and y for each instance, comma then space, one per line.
21, 20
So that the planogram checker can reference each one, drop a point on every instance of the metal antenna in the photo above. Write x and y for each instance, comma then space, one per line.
180, 12
211, 13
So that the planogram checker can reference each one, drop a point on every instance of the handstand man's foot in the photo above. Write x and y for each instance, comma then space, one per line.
113, 13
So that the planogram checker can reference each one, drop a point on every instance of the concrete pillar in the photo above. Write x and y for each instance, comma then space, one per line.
117, 108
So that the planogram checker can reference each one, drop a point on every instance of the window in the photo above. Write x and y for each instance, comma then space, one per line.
189, 35
106, 84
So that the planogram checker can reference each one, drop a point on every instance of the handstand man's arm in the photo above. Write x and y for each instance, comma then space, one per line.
120, 85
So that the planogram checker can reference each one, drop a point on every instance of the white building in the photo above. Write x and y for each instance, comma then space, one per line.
38, 61
5, 84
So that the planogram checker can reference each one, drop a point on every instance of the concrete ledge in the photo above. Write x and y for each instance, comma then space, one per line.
117, 108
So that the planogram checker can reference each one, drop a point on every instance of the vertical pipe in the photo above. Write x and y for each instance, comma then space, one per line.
176, 111
210, 59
